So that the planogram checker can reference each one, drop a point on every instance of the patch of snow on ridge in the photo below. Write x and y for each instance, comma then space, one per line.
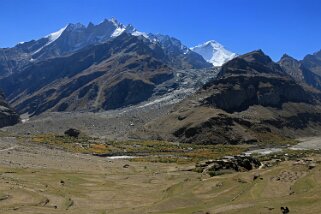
54, 36
118, 31
137, 33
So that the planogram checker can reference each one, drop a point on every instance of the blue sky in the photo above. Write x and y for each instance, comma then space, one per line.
276, 26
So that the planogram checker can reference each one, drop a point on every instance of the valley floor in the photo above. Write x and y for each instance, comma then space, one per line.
36, 178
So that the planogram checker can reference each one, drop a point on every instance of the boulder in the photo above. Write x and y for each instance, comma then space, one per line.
72, 132
312, 165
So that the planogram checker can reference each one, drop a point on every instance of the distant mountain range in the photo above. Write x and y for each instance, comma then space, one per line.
74, 37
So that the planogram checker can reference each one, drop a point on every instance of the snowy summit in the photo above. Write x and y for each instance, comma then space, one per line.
213, 52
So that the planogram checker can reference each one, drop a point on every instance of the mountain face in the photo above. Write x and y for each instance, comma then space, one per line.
94, 67
8, 116
173, 47
253, 79
293, 67
213, 52
299, 72
252, 99
120, 72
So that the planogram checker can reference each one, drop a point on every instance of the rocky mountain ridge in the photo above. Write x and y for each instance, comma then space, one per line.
302, 71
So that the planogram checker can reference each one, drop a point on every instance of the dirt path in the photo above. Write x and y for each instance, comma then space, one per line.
8, 143
8, 149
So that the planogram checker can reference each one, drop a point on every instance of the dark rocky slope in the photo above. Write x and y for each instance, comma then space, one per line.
8, 116
252, 100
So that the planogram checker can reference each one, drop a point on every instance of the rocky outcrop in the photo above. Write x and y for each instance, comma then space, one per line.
218, 129
292, 67
227, 164
8, 116
238, 93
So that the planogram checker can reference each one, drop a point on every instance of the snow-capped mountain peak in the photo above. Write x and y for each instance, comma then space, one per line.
214, 52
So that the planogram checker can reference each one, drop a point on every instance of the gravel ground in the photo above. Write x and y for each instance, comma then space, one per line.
112, 125
308, 143
119, 124
15, 153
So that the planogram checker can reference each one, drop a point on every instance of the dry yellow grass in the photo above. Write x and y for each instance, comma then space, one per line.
150, 151
159, 188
